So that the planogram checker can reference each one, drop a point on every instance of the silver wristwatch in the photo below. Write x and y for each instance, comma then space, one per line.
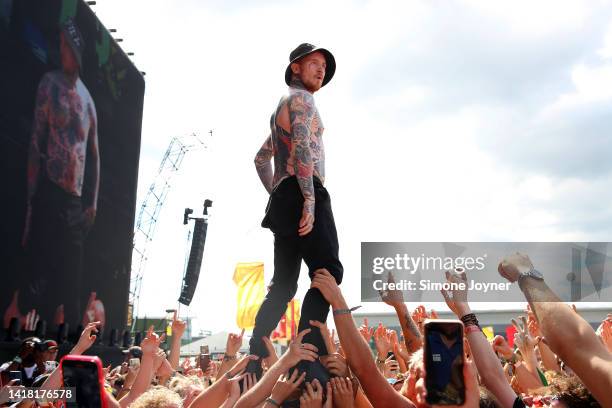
532, 273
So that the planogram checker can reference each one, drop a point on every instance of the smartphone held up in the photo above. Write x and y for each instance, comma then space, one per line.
444, 359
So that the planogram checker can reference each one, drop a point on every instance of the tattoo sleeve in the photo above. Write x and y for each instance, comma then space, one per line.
39, 133
94, 156
263, 165
301, 114
412, 336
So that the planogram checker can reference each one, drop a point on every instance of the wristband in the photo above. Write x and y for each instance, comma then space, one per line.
379, 361
337, 312
271, 401
228, 358
470, 320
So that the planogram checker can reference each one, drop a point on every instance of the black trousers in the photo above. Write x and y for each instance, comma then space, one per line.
318, 249
55, 255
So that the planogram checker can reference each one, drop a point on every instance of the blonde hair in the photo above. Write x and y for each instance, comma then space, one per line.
181, 384
158, 397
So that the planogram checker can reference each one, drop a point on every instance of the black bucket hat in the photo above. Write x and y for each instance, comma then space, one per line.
304, 49
74, 38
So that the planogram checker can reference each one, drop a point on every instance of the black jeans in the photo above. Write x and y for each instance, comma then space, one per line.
319, 249
55, 254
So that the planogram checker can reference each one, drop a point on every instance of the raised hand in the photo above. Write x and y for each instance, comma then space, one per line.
240, 366
158, 358
233, 344
523, 340
336, 364
456, 300
272, 356
382, 341
342, 389
299, 351
178, 326
186, 365
501, 347
87, 339
403, 351
532, 323
150, 344
472, 393
393, 297
366, 331
325, 334
312, 396
391, 367
419, 314
287, 385
326, 283
511, 267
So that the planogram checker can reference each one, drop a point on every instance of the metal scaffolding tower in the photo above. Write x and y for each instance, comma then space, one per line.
150, 210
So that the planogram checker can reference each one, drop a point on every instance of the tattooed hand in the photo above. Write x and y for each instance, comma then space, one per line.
307, 220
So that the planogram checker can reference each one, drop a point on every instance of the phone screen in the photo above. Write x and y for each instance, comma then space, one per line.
15, 375
444, 362
83, 375
204, 361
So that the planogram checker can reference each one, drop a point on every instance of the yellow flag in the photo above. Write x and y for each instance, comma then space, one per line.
249, 277
488, 331
292, 315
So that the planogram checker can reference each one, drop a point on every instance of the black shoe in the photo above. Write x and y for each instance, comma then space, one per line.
314, 370
254, 367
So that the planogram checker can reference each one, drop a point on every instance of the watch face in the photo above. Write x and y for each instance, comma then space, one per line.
536, 274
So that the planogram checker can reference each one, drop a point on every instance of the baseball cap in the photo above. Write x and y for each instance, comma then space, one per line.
134, 351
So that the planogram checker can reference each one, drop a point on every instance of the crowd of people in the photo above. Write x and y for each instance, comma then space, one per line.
557, 360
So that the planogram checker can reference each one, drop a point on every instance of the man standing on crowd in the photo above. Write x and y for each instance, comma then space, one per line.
63, 154
299, 209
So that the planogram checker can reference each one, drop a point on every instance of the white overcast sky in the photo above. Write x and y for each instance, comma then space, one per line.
446, 121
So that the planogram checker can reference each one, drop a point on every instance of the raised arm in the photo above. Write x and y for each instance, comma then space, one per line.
395, 298
263, 165
567, 334
378, 391
301, 114
482, 352
297, 352
93, 162
178, 328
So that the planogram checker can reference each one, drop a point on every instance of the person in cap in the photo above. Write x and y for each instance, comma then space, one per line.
62, 183
299, 208
48, 350
27, 361
132, 352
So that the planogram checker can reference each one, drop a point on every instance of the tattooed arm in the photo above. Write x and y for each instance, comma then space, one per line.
395, 298
91, 202
301, 114
263, 165
39, 135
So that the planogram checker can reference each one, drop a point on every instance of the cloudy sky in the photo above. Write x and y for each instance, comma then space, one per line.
446, 121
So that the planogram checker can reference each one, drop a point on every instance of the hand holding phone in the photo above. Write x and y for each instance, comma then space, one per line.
85, 374
444, 360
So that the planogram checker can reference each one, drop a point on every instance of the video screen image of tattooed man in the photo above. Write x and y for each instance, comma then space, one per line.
70, 122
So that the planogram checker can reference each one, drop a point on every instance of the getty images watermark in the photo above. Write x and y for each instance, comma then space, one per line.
575, 271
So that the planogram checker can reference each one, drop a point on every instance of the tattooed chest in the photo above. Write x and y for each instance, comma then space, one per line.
69, 120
